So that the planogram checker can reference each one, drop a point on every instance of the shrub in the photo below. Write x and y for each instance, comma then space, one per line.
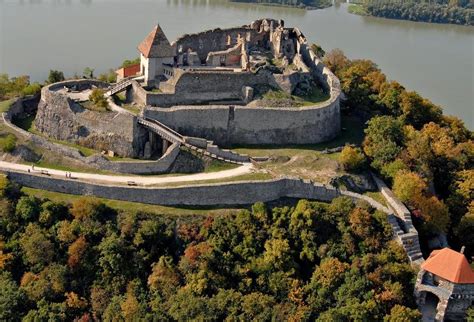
8, 143
32, 89
97, 97
352, 158
55, 76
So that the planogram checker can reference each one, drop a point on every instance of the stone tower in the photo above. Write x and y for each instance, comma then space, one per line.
444, 287
155, 52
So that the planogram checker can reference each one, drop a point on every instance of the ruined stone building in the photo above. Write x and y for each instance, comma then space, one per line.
445, 286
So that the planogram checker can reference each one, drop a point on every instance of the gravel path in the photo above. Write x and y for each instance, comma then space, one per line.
139, 180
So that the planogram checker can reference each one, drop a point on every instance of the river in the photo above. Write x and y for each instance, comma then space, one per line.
69, 35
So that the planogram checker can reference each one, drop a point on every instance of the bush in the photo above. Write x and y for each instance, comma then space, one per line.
352, 159
97, 97
128, 62
109, 77
8, 143
32, 89
55, 76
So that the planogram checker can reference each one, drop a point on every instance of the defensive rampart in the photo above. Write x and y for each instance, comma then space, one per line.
228, 124
96, 161
220, 194
61, 118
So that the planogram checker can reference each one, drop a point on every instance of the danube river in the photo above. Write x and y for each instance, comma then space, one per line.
69, 35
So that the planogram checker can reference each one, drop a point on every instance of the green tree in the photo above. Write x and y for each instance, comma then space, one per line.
55, 76
418, 111
88, 73
11, 298
28, 208
36, 246
400, 313
383, 140
31, 89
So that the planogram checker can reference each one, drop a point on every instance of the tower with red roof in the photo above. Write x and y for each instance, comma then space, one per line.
445, 286
155, 53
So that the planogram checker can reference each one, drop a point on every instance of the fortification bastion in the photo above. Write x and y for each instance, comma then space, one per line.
211, 85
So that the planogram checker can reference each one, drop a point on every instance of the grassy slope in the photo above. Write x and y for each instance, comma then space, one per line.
129, 206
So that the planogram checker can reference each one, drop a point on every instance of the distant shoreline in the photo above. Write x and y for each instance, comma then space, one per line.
302, 7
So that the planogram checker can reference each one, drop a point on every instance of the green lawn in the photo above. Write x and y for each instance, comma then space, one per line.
377, 196
245, 177
217, 165
94, 107
131, 206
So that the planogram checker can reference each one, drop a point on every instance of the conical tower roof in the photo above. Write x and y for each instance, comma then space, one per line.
450, 265
156, 44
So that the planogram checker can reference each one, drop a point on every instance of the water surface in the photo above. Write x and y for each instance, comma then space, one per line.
69, 35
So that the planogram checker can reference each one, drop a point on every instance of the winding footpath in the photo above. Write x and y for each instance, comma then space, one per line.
127, 180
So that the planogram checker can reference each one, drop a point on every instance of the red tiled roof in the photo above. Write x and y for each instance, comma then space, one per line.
156, 44
450, 265
128, 71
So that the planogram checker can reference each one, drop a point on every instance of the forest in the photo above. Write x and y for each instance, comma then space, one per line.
299, 261
308, 4
426, 157
441, 11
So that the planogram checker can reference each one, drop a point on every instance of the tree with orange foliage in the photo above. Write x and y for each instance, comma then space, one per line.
76, 252
433, 211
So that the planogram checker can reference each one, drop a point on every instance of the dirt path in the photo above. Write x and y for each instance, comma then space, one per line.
139, 180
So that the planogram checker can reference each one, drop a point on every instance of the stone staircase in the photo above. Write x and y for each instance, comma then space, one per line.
197, 145
120, 86
409, 240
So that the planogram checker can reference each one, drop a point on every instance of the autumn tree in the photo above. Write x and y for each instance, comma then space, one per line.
352, 158
408, 185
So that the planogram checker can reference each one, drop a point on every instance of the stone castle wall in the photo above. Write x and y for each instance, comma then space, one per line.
217, 40
227, 125
223, 194
61, 118
198, 87
97, 161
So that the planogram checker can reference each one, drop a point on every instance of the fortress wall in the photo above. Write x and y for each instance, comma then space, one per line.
227, 125
194, 87
216, 40
63, 119
251, 125
223, 194
95, 161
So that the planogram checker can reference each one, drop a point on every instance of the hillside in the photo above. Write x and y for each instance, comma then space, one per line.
303, 262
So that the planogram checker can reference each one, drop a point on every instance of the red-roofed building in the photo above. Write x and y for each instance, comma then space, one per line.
445, 286
155, 51
129, 71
